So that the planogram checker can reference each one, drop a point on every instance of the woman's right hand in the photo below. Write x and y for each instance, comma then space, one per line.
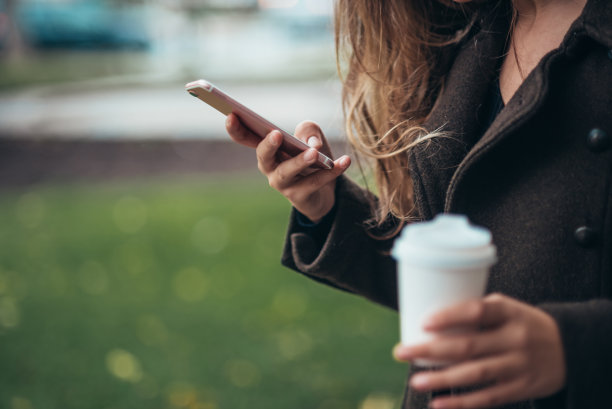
310, 192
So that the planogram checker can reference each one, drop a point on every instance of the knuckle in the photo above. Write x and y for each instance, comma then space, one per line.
270, 139
521, 336
280, 176
497, 297
468, 347
272, 183
477, 310
274, 180
483, 374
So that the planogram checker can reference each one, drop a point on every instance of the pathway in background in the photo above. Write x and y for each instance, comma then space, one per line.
159, 110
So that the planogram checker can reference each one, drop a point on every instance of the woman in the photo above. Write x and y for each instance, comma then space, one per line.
500, 110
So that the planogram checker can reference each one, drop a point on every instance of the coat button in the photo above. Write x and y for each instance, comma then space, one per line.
586, 236
610, 54
598, 140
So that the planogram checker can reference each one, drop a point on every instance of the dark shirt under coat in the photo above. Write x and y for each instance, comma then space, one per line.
540, 178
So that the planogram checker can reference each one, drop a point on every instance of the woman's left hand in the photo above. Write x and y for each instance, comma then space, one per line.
516, 355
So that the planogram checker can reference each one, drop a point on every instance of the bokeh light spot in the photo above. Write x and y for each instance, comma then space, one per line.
123, 365
17, 402
242, 373
30, 210
378, 401
93, 278
130, 214
133, 256
182, 395
293, 343
190, 284
290, 302
210, 235
152, 330
9, 313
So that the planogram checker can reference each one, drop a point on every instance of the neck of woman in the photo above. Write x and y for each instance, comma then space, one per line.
538, 28
531, 11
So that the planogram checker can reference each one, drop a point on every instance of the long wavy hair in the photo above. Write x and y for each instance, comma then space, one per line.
393, 57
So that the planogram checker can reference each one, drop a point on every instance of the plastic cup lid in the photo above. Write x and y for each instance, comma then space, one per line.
448, 241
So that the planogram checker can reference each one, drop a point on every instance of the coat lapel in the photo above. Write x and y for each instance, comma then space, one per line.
525, 103
459, 112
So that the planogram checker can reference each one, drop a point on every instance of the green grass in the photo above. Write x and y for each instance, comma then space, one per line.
170, 294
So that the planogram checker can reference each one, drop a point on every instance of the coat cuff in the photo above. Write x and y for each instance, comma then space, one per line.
347, 258
317, 256
586, 334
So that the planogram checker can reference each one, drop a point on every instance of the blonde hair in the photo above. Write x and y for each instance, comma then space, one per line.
393, 56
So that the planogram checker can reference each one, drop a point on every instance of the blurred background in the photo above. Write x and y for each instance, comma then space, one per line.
139, 248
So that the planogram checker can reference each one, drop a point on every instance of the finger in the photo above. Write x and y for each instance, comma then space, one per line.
472, 373
313, 182
287, 171
239, 133
490, 311
306, 130
266, 152
493, 396
314, 142
459, 347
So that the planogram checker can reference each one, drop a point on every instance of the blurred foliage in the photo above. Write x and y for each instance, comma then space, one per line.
56, 67
170, 295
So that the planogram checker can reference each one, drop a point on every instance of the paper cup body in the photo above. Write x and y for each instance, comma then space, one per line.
440, 263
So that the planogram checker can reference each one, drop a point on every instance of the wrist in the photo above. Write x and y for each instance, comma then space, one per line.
305, 220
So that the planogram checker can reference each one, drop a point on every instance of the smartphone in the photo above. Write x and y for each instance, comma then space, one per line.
260, 126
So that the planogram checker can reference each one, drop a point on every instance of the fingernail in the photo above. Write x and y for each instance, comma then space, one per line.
313, 141
310, 155
344, 161
402, 352
419, 381
274, 140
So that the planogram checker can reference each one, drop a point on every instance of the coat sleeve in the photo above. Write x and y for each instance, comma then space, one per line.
349, 258
586, 334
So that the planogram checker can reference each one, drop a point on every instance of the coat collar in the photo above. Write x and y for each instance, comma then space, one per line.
459, 110
593, 24
597, 21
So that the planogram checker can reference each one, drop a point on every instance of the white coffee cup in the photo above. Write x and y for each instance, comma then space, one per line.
440, 263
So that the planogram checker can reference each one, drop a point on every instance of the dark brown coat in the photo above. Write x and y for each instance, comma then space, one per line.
539, 178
